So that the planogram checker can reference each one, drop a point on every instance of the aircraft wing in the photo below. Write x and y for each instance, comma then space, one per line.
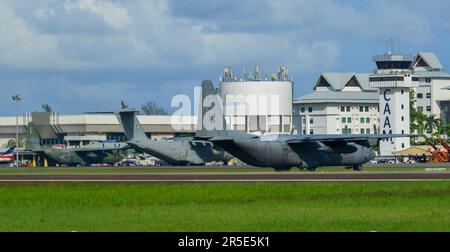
107, 148
341, 138
222, 135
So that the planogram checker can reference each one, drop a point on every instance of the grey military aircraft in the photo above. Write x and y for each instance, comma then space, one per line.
96, 153
282, 152
177, 152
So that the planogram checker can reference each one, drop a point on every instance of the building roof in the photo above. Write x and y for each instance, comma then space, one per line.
338, 81
338, 97
433, 74
430, 59
414, 150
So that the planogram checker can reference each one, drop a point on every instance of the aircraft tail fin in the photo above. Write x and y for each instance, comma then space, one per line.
8, 151
211, 115
33, 140
131, 126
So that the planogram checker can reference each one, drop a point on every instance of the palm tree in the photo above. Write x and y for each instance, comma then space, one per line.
432, 122
418, 125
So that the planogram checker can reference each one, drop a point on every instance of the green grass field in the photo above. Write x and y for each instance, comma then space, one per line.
381, 206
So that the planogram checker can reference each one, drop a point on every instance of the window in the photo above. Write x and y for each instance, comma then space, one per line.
349, 120
419, 95
346, 131
304, 132
367, 131
427, 80
420, 109
403, 145
361, 120
403, 132
311, 121
362, 131
304, 120
361, 109
403, 118
366, 109
309, 109
342, 109
389, 78
302, 109
428, 108
367, 120
402, 91
348, 108
311, 132
428, 95
403, 106
344, 120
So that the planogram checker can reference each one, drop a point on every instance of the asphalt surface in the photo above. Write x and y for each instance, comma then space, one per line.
228, 177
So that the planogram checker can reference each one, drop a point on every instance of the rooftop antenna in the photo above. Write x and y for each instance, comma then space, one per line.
257, 72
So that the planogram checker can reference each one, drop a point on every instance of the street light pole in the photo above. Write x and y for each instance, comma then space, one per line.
17, 99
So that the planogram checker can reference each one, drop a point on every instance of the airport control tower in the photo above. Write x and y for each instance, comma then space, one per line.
394, 78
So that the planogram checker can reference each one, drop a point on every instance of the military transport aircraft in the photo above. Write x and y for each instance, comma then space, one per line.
96, 153
177, 152
282, 152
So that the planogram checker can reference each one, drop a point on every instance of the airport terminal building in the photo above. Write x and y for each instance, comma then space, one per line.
82, 129
345, 103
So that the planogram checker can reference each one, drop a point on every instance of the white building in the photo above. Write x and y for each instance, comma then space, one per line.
257, 105
338, 97
433, 94
341, 103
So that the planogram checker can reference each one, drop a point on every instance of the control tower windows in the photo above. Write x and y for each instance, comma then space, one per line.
393, 64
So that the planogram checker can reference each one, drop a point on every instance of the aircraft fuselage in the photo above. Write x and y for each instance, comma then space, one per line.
281, 155
182, 152
71, 157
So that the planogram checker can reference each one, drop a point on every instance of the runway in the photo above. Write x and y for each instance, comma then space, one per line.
229, 177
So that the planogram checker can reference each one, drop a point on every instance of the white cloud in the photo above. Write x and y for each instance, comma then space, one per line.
113, 14
22, 47
146, 33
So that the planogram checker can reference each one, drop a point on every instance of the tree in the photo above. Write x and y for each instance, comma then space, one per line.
12, 142
46, 108
151, 108
432, 122
417, 119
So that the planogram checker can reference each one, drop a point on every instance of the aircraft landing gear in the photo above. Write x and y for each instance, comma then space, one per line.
357, 167
312, 169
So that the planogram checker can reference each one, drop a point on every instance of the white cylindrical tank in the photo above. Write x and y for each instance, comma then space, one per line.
258, 106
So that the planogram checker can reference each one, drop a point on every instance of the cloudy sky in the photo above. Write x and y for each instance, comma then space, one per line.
88, 55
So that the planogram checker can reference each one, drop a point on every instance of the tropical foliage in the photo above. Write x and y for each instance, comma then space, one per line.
151, 108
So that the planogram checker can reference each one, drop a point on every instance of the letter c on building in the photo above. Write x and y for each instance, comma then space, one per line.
385, 93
